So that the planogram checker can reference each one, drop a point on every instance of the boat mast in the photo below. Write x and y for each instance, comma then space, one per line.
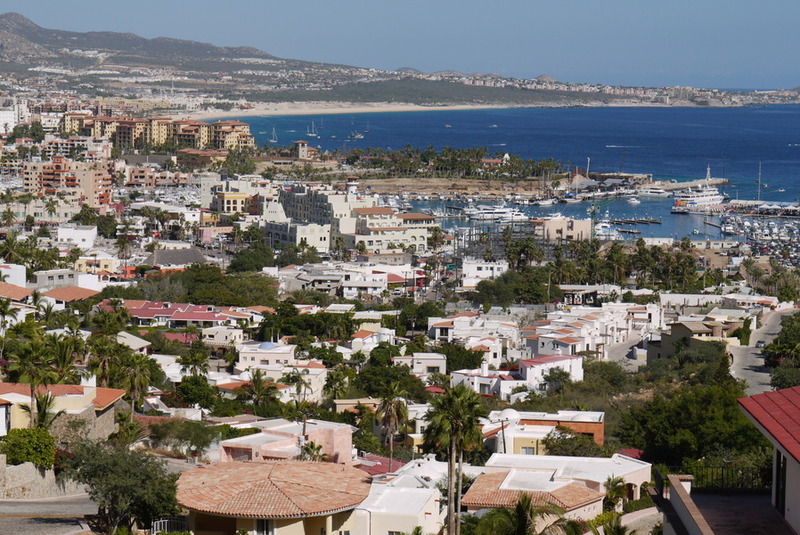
759, 181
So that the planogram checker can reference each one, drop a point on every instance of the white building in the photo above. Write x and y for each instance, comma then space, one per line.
474, 270
80, 236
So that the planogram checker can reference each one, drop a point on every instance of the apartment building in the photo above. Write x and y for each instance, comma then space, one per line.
77, 182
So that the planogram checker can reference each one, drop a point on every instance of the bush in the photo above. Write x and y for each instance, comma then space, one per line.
35, 446
603, 518
637, 505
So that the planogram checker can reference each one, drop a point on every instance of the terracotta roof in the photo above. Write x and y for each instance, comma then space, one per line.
416, 216
568, 340
14, 292
106, 396
284, 489
778, 414
70, 294
442, 324
377, 465
363, 334
486, 492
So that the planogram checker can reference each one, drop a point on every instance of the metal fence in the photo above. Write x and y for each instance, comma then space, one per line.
170, 524
730, 479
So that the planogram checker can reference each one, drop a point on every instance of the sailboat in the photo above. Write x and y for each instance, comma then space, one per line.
313, 131
366, 130
274, 138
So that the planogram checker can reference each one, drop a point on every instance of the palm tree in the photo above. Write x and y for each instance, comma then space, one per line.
42, 413
393, 412
526, 518
453, 420
65, 351
30, 364
7, 310
106, 355
616, 493
137, 377
195, 363
613, 527
261, 391
311, 451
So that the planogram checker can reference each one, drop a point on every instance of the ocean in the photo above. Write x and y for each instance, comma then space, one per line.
669, 143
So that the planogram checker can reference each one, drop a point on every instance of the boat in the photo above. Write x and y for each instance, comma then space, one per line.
313, 131
366, 130
493, 126
545, 202
274, 138
652, 191
699, 199
499, 214
448, 126
356, 135
604, 231
780, 190
634, 201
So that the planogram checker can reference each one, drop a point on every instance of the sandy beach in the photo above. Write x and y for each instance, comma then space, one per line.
318, 108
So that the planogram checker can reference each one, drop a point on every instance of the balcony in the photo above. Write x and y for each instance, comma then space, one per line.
719, 501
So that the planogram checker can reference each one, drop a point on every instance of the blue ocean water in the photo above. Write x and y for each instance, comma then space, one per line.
669, 143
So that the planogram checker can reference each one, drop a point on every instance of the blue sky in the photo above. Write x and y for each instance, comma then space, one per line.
709, 43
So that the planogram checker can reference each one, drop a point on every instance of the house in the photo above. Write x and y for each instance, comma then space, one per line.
95, 406
423, 364
134, 343
777, 416
391, 509
283, 439
511, 431
474, 270
279, 498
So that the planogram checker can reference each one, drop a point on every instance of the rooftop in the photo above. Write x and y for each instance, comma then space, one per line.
777, 414
284, 489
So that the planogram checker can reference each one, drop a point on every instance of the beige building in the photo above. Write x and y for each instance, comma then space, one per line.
557, 229
77, 182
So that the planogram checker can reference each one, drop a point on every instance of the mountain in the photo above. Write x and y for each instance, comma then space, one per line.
29, 40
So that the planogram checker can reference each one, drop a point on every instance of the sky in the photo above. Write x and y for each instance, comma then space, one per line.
703, 43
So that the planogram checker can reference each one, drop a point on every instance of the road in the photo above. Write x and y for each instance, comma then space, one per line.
748, 364
45, 516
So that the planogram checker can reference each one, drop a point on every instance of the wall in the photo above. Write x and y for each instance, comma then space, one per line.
27, 481
792, 514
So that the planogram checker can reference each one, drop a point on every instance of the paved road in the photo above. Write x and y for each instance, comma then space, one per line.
47, 516
619, 353
748, 364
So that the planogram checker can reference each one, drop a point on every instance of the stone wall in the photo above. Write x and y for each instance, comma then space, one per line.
28, 481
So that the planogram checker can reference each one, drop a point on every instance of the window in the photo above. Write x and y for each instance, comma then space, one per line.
528, 451
264, 527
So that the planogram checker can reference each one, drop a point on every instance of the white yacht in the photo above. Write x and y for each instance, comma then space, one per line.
500, 214
651, 191
634, 201
696, 199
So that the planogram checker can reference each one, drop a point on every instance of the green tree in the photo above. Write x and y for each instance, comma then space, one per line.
526, 518
129, 487
616, 493
42, 411
453, 427
393, 413
36, 446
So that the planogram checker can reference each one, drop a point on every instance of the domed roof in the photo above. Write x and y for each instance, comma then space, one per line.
284, 489
245, 376
266, 345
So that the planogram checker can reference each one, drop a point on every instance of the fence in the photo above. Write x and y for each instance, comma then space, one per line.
710, 479
170, 524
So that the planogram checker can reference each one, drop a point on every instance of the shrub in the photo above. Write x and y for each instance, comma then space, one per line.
36, 446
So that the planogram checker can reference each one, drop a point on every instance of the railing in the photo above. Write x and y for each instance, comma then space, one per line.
170, 524
730, 479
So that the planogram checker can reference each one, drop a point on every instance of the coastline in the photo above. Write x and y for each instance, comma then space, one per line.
273, 109
323, 108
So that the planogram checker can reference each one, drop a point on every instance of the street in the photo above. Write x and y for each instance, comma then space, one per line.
748, 364
45, 516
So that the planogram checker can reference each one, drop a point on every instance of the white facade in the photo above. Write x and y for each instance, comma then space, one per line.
474, 270
80, 236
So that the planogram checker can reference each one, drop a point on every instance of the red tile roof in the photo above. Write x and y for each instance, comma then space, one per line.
778, 414
546, 359
284, 489
377, 465
363, 334
485, 492
14, 292
69, 294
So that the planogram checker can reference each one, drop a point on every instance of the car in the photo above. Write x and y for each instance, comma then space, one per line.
760, 344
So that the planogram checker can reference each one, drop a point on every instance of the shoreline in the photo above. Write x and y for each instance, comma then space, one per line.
281, 109
326, 108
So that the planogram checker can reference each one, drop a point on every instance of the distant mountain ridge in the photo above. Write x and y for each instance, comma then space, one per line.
30, 40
